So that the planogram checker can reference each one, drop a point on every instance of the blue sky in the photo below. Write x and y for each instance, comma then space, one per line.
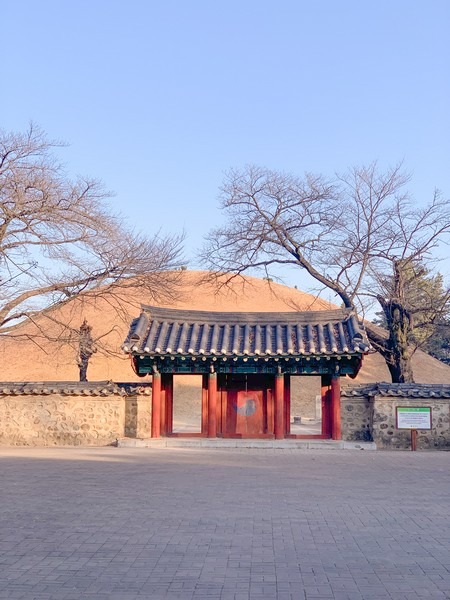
159, 99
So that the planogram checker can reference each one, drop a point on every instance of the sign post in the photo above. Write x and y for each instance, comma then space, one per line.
413, 418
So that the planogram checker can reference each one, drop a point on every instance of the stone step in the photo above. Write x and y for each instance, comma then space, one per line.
178, 442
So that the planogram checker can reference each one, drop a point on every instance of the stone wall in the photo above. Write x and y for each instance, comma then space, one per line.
138, 416
373, 409
72, 414
387, 435
356, 418
97, 414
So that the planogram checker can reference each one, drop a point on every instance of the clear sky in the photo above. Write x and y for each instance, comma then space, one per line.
159, 99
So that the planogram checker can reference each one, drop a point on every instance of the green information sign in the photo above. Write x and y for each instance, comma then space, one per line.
413, 417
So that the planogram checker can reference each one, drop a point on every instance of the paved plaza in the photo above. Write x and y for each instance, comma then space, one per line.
240, 524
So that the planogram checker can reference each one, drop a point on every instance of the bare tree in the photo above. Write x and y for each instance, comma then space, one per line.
60, 241
86, 348
414, 306
357, 235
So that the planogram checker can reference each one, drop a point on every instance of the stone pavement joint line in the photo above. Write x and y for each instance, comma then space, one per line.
225, 524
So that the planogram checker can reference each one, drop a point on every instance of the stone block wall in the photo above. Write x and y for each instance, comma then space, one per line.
72, 414
138, 416
356, 418
98, 413
388, 436
375, 406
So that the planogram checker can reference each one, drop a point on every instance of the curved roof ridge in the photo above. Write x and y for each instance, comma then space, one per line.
310, 316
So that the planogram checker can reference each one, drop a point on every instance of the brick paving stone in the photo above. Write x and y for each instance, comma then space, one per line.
216, 524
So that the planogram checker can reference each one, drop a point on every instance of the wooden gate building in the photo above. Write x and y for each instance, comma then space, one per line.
246, 361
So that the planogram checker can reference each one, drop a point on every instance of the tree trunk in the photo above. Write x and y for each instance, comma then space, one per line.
401, 370
83, 366
86, 348
399, 330
395, 349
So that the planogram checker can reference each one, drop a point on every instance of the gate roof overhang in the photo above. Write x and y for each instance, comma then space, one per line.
184, 341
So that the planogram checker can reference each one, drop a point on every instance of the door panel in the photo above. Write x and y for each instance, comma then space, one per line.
245, 412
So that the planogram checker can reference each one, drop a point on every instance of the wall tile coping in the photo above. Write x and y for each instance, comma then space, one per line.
110, 388
73, 388
399, 390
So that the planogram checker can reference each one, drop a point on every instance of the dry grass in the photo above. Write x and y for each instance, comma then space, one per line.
33, 358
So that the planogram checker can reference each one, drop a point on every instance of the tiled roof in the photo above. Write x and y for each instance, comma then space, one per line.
71, 388
159, 331
398, 390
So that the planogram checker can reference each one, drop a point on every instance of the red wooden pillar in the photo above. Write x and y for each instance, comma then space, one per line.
204, 404
336, 408
326, 406
166, 403
270, 395
287, 404
279, 406
156, 405
212, 405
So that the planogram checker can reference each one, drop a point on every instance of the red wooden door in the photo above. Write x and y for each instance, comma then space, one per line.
245, 412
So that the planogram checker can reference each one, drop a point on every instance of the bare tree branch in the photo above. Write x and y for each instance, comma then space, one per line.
59, 239
359, 235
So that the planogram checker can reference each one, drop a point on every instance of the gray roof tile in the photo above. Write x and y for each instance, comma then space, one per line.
397, 390
72, 388
161, 331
